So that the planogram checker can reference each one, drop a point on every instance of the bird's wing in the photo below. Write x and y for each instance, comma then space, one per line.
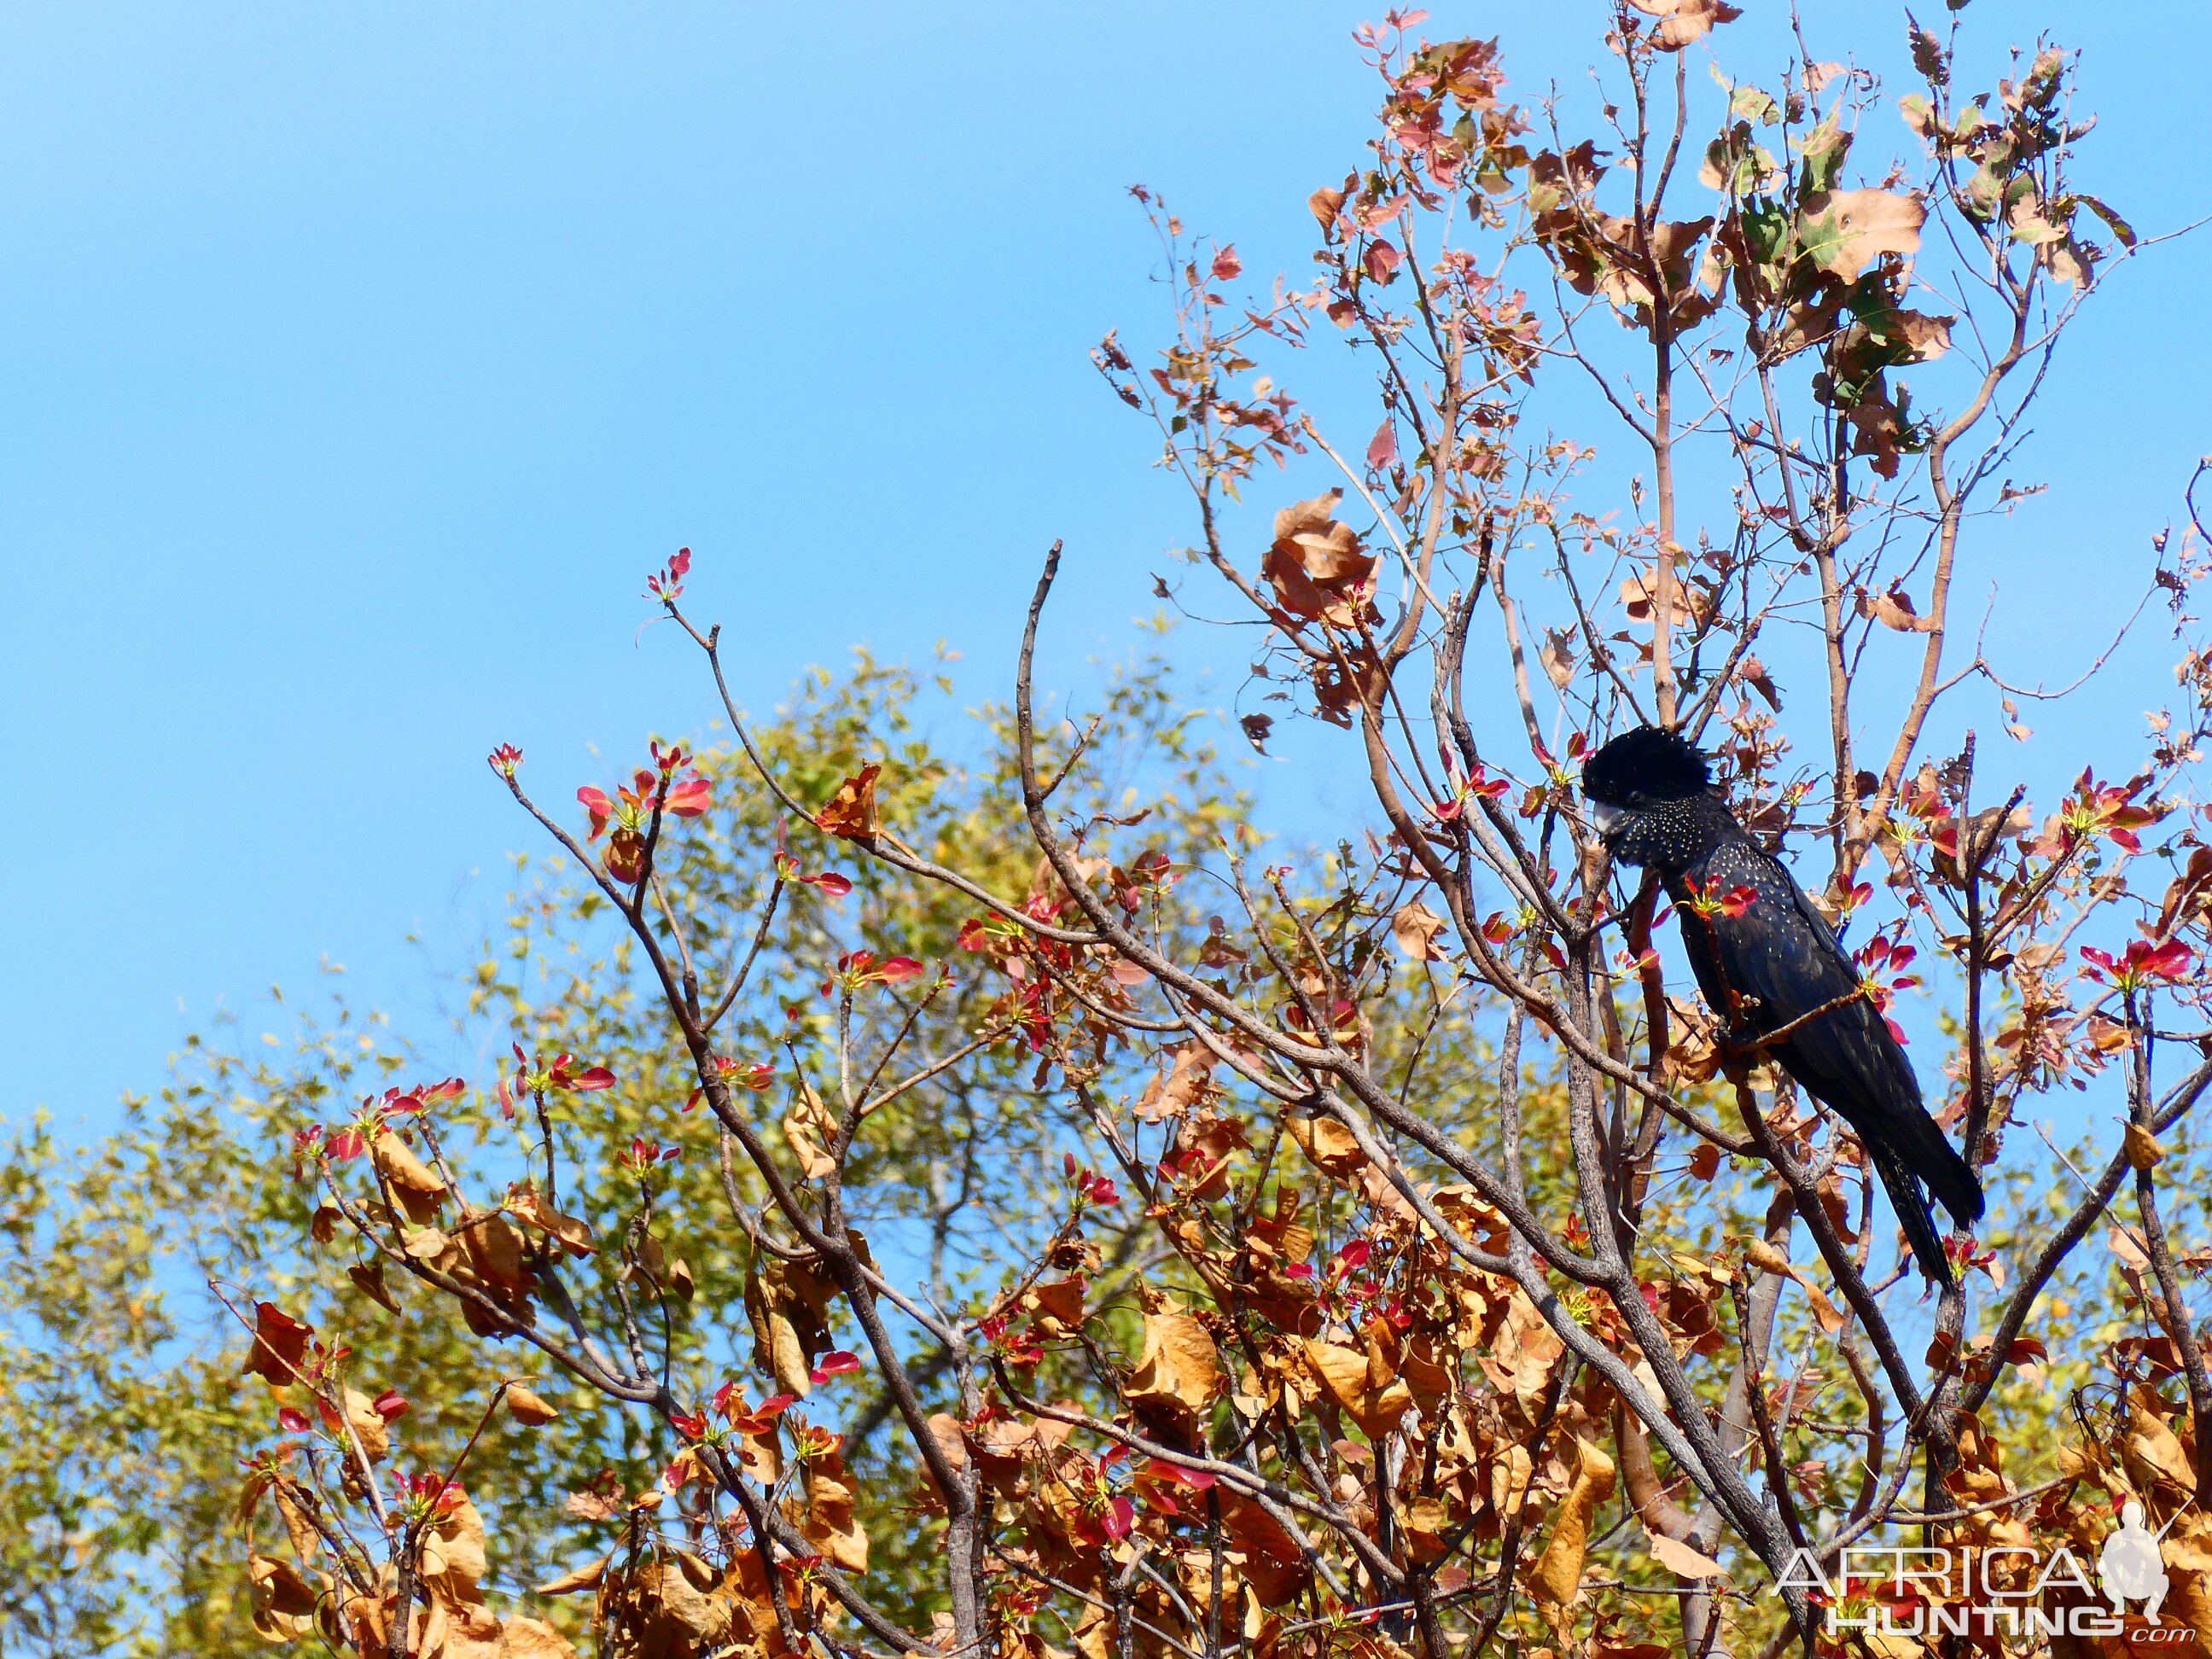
1782, 952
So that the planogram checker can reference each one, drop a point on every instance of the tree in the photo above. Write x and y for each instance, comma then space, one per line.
1023, 1212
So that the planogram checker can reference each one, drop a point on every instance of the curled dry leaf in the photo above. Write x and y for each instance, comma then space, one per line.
1556, 1580
526, 1406
1377, 1404
1179, 1372
808, 1127
1316, 566
1681, 1559
1186, 1085
280, 1345
1682, 21
850, 814
2143, 1150
1414, 928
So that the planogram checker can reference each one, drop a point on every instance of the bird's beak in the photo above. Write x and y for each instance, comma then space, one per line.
1605, 817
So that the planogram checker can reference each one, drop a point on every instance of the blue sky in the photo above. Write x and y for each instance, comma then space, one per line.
359, 359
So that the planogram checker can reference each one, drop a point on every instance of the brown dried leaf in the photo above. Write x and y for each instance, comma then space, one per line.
280, 1345
1414, 928
1377, 1405
1179, 1372
1684, 21
1846, 231
1315, 565
2143, 1150
1555, 1581
1681, 1559
524, 1406
580, 1578
851, 813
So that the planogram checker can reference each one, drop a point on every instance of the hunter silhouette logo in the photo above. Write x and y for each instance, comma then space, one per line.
2131, 1568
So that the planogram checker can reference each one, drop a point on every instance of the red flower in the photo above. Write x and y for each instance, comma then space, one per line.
644, 1154
1708, 900
375, 1117
668, 585
1090, 1187
759, 1076
564, 1074
630, 811
2142, 965
860, 968
2105, 809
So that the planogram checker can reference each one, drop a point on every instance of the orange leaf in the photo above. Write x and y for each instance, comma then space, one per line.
851, 813
1555, 1581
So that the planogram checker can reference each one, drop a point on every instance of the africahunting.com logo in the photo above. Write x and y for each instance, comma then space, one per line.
2114, 1556
2017, 1591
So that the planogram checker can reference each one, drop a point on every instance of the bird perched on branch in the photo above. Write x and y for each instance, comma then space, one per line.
1772, 970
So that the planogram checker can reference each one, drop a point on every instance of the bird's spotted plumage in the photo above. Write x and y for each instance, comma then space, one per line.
1774, 963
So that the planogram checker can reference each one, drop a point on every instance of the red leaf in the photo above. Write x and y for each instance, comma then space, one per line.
1226, 264
830, 882
1119, 1519
597, 804
391, 1405
690, 797
280, 1345
292, 1421
1382, 448
596, 1077
838, 1362
1196, 1479
897, 968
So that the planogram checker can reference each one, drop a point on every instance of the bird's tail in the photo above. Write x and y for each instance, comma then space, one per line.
1910, 1200
1928, 1153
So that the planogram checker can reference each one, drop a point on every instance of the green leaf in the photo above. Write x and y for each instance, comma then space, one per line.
2120, 228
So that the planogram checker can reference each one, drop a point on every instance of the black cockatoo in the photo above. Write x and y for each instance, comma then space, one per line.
1765, 964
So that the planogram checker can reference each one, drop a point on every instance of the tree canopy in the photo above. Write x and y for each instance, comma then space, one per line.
979, 1192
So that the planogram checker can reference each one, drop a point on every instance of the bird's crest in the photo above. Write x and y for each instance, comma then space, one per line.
1653, 761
